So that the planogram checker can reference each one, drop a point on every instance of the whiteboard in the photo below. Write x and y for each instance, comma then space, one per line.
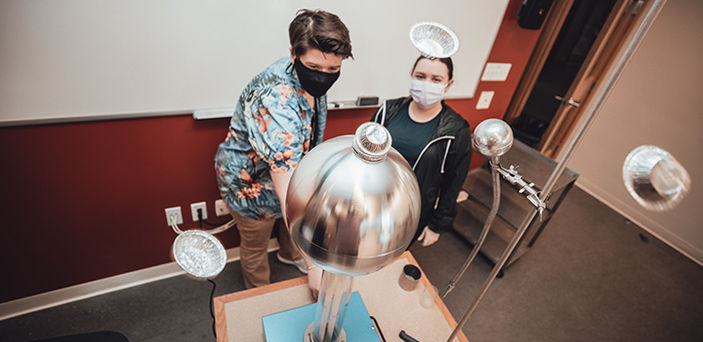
68, 59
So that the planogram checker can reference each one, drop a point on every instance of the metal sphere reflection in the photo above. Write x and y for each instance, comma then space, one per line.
492, 138
199, 253
434, 40
654, 178
350, 211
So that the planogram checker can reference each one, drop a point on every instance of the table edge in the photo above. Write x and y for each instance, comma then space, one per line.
220, 301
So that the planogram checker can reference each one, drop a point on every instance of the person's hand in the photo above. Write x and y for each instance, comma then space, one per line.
428, 237
314, 280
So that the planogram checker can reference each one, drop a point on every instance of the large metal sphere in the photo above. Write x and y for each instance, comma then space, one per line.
492, 138
352, 210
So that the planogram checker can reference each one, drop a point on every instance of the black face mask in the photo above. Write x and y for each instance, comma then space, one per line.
314, 82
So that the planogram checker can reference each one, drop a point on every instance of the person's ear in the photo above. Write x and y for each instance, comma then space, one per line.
449, 84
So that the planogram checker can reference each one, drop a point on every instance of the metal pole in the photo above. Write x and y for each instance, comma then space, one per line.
495, 177
592, 110
330, 309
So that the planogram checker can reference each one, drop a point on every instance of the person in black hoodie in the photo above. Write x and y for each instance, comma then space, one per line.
435, 141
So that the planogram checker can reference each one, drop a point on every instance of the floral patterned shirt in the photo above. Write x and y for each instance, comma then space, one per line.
270, 131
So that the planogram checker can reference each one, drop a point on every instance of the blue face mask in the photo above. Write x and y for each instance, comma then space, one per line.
316, 83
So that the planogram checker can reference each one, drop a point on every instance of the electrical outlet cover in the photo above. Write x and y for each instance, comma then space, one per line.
484, 101
194, 210
221, 208
174, 211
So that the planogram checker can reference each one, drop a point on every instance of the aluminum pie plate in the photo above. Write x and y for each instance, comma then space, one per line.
434, 39
654, 178
199, 253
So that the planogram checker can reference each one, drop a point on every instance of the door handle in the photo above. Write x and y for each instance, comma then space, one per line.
571, 102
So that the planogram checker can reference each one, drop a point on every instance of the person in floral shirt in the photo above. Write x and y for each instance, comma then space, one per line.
279, 117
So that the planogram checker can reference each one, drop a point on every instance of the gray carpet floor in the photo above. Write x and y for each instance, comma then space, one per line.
592, 276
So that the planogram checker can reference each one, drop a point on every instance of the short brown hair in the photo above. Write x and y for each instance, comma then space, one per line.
447, 61
319, 30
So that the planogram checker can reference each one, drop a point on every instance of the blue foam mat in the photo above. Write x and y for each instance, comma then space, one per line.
290, 325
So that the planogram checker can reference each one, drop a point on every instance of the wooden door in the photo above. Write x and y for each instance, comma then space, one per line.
612, 36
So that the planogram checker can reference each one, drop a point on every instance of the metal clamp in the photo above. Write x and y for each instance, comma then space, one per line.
526, 188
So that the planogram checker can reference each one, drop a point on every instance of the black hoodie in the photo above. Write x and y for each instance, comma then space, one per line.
441, 166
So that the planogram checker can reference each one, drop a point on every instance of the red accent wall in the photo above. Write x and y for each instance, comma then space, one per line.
85, 201
513, 44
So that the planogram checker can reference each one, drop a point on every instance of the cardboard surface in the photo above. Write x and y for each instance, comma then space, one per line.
421, 313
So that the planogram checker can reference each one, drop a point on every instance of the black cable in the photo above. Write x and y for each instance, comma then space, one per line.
201, 221
200, 218
378, 328
212, 309
405, 337
212, 224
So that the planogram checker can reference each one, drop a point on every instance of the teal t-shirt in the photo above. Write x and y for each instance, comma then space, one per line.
410, 137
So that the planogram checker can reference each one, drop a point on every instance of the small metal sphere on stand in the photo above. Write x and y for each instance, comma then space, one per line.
492, 138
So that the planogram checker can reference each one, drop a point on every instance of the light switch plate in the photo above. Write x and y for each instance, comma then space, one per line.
496, 72
484, 101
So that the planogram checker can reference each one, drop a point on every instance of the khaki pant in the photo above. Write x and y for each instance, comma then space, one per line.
254, 236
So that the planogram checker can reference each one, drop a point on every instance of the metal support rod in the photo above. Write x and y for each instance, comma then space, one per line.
590, 116
331, 307
495, 177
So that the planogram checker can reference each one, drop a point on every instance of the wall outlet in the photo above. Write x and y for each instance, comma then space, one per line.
221, 208
174, 214
194, 210
484, 101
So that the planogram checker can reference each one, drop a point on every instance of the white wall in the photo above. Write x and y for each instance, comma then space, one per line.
67, 59
658, 101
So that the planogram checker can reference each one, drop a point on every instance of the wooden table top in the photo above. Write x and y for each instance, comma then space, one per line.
238, 315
